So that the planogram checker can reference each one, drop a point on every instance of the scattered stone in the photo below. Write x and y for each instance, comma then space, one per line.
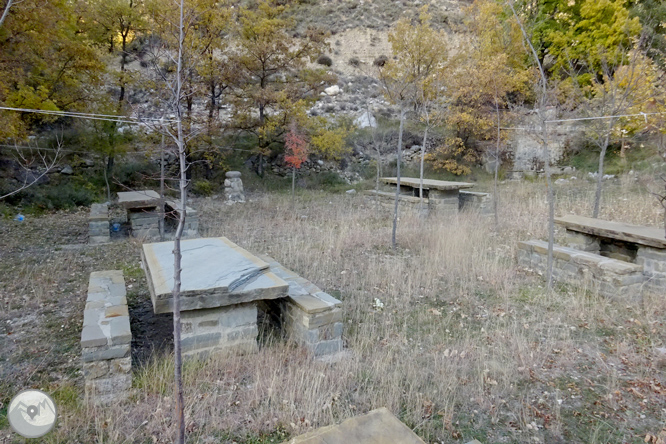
67, 170
352, 191
366, 120
332, 90
376, 427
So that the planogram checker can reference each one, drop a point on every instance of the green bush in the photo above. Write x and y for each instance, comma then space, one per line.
202, 188
325, 60
66, 195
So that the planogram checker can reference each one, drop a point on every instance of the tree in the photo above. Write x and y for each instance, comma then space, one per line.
273, 83
296, 153
624, 88
542, 100
61, 72
413, 60
566, 32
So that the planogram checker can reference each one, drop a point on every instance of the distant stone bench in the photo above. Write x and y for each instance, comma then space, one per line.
106, 339
311, 317
172, 208
98, 224
611, 277
636, 244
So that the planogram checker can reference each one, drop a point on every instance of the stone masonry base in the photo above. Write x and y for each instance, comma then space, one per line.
610, 277
231, 329
106, 339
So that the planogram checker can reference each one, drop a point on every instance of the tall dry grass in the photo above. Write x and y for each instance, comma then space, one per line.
466, 345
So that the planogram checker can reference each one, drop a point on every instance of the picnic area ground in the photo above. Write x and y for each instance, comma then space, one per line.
447, 332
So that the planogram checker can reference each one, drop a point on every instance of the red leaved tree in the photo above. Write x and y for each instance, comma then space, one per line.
296, 153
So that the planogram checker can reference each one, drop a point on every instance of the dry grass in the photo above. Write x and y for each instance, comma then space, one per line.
466, 345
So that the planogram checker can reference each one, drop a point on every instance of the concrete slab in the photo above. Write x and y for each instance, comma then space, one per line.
377, 427
215, 273
138, 199
650, 236
428, 184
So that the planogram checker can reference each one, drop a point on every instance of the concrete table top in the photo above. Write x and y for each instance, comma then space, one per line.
138, 199
428, 184
377, 427
215, 273
649, 236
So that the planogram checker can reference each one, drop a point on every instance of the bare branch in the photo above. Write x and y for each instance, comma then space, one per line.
45, 163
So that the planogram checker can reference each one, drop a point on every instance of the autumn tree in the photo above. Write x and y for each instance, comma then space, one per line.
482, 81
296, 152
46, 63
273, 83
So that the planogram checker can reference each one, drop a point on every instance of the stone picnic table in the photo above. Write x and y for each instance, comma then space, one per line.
636, 244
143, 211
441, 193
223, 286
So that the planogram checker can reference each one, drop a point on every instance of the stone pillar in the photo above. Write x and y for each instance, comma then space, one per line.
444, 201
233, 187
231, 329
653, 261
106, 339
310, 317
582, 241
145, 223
98, 224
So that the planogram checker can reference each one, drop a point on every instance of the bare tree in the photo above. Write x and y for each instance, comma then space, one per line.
542, 101
38, 159
661, 198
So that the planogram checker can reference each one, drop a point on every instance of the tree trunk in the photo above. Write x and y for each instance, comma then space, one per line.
551, 203
496, 172
161, 226
397, 190
293, 185
600, 171
178, 367
425, 139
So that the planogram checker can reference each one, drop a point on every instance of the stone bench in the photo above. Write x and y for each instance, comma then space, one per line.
610, 277
106, 339
172, 208
98, 224
309, 316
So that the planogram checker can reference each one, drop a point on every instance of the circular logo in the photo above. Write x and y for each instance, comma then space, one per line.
32, 413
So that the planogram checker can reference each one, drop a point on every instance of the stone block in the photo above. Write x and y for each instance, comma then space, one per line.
120, 332
95, 369
92, 336
327, 347
200, 341
105, 352
122, 365
111, 385
249, 332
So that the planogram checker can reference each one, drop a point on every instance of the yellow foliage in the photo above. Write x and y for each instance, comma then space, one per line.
454, 156
329, 141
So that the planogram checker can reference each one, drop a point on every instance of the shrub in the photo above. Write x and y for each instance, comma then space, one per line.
202, 188
380, 61
325, 60
355, 62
